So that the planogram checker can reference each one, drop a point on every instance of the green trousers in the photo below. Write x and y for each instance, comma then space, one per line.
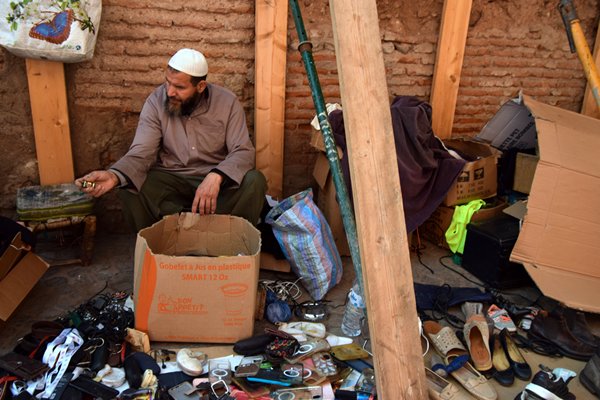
164, 193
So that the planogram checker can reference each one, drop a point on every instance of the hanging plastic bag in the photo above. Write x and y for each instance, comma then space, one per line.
57, 30
307, 242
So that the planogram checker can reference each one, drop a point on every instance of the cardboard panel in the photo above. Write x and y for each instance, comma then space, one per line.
18, 283
560, 237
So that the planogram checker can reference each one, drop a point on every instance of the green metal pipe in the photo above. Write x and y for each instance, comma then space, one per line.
305, 49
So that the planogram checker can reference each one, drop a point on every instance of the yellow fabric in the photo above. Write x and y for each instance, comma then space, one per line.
457, 231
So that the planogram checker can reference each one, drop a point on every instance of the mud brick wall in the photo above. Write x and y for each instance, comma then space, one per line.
512, 45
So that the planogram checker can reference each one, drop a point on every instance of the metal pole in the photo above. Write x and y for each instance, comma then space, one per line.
305, 49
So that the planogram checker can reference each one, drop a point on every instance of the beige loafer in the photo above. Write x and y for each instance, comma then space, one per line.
441, 389
474, 382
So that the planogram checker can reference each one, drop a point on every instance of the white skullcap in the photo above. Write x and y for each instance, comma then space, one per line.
192, 62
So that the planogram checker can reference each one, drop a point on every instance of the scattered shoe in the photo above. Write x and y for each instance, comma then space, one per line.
503, 373
517, 362
590, 375
549, 385
501, 318
192, 362
579, 327
553, 328
446, 343
441, 389
477, 335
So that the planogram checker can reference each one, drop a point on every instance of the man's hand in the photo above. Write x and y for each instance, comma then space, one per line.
205, 201
97, 183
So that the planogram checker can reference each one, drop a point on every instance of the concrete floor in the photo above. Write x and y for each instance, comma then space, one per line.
64, 288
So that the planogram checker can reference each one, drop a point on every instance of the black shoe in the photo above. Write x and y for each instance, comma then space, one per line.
546, 386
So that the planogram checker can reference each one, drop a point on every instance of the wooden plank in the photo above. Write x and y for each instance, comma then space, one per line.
382, 237
448, 65
589, 107
269, 96
50, 115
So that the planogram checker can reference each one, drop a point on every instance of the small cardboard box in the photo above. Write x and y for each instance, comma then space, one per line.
525, 165
559, 242
328, 204
196, 278
511, 127
21, 269
478, 179
434, 229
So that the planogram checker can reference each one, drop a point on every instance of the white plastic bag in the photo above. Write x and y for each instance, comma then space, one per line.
58, 30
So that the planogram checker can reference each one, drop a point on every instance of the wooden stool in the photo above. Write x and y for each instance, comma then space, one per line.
87, 237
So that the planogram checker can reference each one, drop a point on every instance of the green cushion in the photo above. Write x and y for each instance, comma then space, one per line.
38, 203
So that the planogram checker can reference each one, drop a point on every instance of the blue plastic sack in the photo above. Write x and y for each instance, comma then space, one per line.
307, 242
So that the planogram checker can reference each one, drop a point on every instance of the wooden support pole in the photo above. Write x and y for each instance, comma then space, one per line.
382, 236
269, 97
448, 65
50, 115
589, 107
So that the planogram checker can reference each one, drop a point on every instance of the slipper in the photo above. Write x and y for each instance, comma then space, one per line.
444, 340
477, 336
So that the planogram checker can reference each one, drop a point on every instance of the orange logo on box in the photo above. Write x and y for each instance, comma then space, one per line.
182, 305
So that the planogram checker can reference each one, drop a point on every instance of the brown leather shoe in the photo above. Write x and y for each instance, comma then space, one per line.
553, 328
579, 327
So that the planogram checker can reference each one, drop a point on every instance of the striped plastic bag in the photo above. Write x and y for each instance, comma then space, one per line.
307, 242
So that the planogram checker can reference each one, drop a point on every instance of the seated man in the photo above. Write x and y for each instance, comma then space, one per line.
191, 152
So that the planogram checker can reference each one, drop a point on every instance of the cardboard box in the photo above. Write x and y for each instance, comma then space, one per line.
21, 269
559, 243
511, 127
196, 278
525, 165
478, 179
434, 229
328, 204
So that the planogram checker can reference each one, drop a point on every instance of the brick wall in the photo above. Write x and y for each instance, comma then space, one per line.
511, 45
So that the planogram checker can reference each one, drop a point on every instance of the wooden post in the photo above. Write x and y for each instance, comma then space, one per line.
50, 115
382, 236
269, 95
448, 65
589, 107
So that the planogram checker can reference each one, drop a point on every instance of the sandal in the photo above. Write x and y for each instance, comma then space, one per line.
446, 343
444, 340
477, 336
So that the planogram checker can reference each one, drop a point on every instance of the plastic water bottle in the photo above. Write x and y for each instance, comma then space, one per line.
354, 313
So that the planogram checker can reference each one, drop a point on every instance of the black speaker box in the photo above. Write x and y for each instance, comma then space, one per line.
487, 250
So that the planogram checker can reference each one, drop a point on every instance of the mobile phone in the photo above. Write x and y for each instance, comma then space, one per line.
308, 348
351, 351
304, 393
293, 372
249, 366
271, 377
324, 364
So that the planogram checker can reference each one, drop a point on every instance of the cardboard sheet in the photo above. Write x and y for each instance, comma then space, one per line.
559, 243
